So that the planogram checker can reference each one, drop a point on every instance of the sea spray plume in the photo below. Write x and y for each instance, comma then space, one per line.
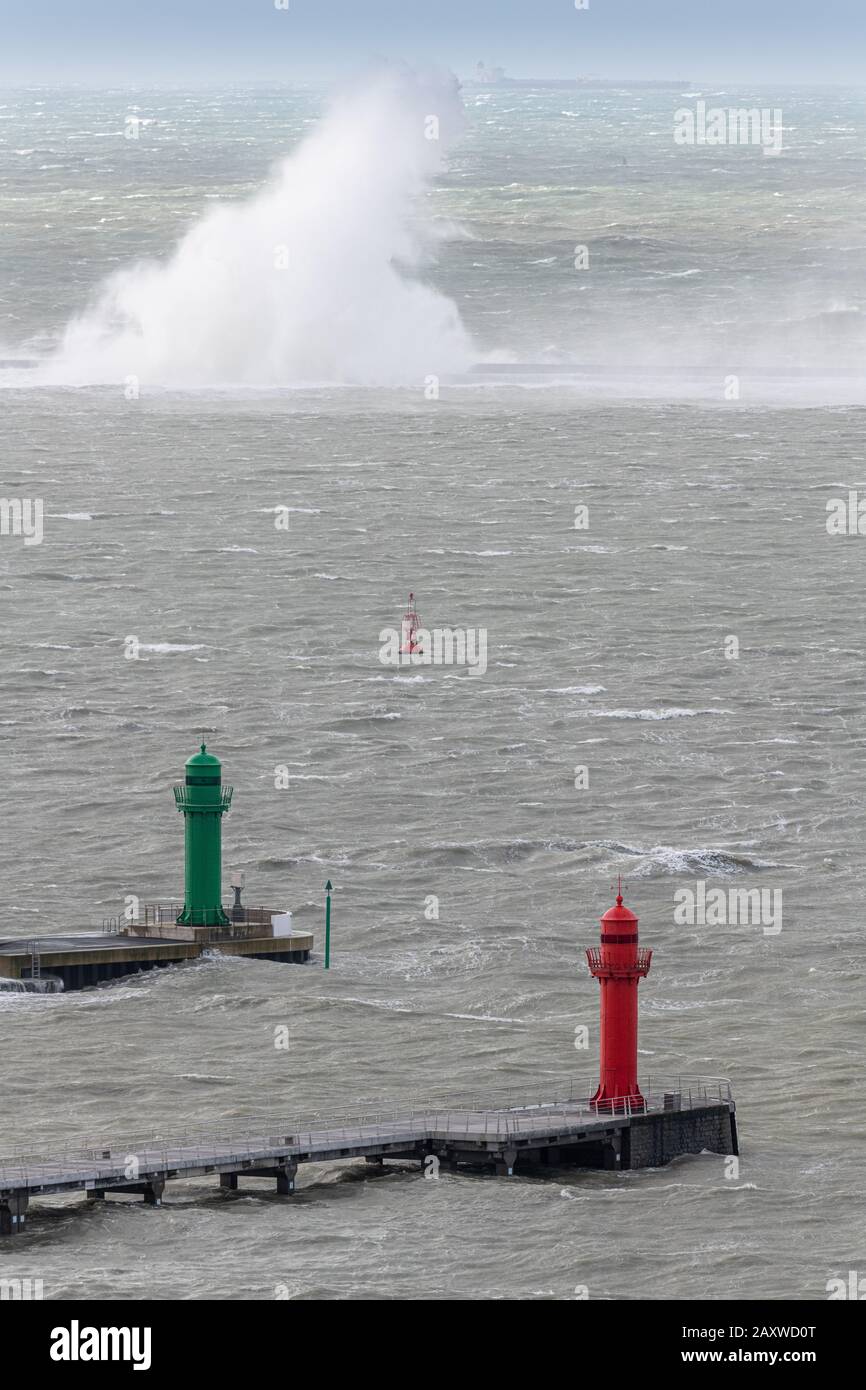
313, 279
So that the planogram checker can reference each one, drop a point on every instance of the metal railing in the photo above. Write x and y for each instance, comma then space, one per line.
185, 802
498, 1116
166, 914
600, 962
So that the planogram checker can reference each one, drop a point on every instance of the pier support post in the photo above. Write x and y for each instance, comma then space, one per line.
152, 1192
286, 1175
374, 1161
13, 1213
505, 1163
229, 1181
611, 1153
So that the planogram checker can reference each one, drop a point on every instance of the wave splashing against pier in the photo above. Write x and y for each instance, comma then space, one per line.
315, 278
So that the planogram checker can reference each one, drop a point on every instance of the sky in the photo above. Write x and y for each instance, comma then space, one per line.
180, 41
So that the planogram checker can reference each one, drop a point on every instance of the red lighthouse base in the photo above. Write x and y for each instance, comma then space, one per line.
606, 1103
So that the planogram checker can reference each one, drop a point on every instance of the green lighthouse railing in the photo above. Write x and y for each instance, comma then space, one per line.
186, 799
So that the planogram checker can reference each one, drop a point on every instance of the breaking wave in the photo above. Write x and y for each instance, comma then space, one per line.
316, 278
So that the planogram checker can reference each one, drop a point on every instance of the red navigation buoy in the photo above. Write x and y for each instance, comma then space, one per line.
409, 628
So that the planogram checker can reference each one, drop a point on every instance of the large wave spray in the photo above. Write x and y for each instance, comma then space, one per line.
313, 279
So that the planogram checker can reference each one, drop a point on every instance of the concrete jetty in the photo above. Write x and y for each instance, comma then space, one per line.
80, 960
511, 1134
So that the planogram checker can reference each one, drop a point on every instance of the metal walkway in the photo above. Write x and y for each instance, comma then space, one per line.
513, 1128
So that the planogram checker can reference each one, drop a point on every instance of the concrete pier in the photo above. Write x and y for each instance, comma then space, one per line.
82, 960
510, 1137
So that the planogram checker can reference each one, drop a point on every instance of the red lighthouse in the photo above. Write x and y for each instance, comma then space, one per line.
618, 964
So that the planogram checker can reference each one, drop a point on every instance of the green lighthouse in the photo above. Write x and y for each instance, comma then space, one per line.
204, 801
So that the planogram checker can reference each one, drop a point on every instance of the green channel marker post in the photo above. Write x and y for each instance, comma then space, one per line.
328, 925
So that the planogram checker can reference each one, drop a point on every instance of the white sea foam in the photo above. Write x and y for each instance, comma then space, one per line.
165, 648
315, 278
574, 690
653, 713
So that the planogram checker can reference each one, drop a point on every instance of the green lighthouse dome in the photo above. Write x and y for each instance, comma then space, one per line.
203, 758
203, 769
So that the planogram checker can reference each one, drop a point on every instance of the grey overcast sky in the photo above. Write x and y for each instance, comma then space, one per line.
197, 40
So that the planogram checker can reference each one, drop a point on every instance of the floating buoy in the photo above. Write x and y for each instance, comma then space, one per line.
409, 627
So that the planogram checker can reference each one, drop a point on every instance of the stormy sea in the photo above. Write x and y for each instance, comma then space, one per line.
272, 360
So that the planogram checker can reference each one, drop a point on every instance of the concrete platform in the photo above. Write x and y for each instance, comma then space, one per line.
88, 959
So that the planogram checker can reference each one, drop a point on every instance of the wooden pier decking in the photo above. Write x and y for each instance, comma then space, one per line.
512, 1134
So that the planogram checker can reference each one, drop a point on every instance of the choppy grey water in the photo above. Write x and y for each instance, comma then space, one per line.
606, 650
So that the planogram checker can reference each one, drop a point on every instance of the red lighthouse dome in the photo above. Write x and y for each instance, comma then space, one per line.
618, 918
